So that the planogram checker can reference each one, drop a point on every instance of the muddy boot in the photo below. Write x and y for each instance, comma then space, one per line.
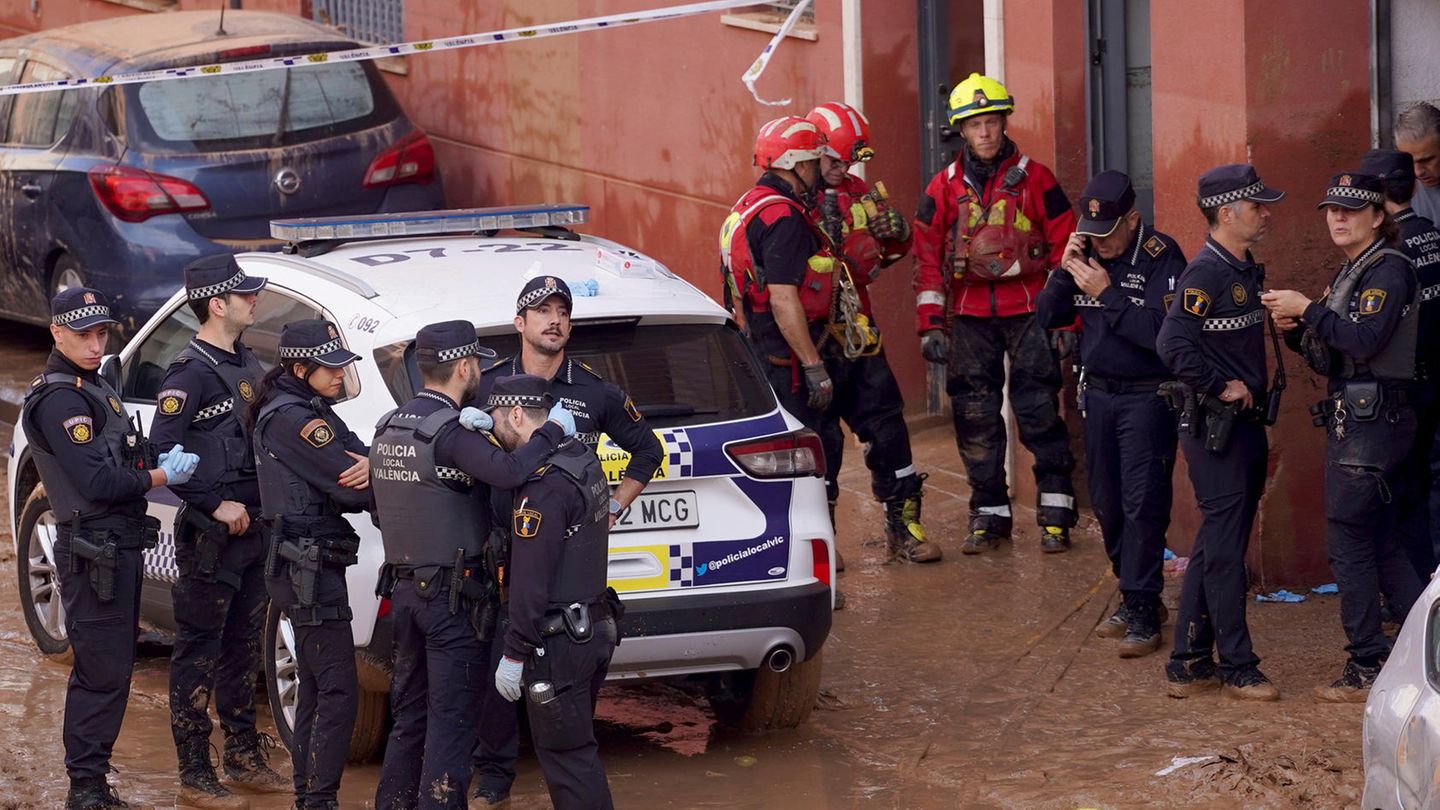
980, 541
1115, 626
1353, 686
199, 789
93, 794
1250, 684
1183, 681
247, 765
489, 797
904, 536
1142, 634
1054, 539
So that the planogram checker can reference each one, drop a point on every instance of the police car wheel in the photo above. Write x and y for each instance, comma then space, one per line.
282, 686
765, 700
39, 577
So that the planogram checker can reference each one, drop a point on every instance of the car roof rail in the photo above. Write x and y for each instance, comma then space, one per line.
315, 236
341, 278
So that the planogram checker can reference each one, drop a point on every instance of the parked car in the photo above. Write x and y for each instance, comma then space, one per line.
117, 188
724, 562
1402, 717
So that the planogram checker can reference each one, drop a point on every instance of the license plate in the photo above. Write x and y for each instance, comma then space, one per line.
659, 510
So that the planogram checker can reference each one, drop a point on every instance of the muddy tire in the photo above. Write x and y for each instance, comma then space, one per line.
39, 577
282, 685
764, 700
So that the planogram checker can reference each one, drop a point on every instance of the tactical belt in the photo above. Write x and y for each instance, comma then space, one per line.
553, 623
1115, 385
126, 532
316, 614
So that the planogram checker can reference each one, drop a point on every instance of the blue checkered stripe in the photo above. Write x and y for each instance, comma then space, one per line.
159, 562
682, 565
681, 453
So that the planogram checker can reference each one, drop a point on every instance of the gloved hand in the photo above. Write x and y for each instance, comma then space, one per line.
935, 346
562, 417
891, 224
822, 388
178, 465
507, 678
1063, 342
475, 419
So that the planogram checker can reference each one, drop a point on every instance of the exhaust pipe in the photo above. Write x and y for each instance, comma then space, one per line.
780, 659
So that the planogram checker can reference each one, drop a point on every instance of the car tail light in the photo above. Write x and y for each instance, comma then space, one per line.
135, 195
820, 553
790, 455
384, 609
411, 160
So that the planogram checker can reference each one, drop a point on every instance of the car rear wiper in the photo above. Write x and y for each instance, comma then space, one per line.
284, 110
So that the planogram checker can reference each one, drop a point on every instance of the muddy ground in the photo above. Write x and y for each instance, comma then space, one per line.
976, 682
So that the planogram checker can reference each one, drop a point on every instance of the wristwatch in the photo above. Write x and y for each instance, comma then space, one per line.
615, 507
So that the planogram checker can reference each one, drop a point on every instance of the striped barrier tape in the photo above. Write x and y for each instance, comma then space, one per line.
757, 68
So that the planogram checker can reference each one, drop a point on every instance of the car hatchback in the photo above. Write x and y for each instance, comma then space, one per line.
117, 188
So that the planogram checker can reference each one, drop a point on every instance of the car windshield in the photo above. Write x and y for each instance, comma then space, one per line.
685, 374
260, 110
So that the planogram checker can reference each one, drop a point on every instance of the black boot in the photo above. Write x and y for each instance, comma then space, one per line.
93, 794
247, 764
904, 536
1142, 633
199, 787
1354, 683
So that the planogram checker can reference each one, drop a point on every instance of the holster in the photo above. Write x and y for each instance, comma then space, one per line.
210, 538
1219, 423
1316, 353
101, 562
1363, 399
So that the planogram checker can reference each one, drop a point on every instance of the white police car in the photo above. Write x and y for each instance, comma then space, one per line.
724, 563
1402, 717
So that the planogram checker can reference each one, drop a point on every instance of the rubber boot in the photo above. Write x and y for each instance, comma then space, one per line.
1054, 539
247, 765
199, 788
904, 536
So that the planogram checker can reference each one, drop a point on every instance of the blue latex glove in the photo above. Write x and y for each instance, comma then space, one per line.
475, 419
562, 417
507, 678
585, 288
178, 465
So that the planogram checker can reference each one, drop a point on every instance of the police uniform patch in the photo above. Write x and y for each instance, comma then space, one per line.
1154, 246
247, 392
1169, 299
527, 522
632, 410
1238, 294
1372, 301
170, 401
114, 404
80, 429
317, 432
1196, 301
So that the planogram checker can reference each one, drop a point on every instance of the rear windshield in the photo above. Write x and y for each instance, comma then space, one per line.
677, 374
260, 110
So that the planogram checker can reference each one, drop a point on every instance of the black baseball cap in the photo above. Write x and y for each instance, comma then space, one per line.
218, 274
520, 390
449, 340
539, 288
1234, 182
80, 308
316, 340
1389, 165
1354, 191
1106, 198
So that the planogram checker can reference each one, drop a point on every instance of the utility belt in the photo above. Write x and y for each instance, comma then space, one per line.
577, 620
305, 546
96, 543
1118, 385
1362, 401
1209, 417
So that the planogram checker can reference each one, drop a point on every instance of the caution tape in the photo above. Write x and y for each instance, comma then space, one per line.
404, 49
757, 68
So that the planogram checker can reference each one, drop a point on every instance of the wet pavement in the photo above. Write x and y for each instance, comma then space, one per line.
976, 682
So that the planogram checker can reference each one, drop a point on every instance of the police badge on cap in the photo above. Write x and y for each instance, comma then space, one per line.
1107, 198
80, 308
539, 288
1353, 191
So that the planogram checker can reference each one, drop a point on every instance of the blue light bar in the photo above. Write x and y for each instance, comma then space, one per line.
419, 223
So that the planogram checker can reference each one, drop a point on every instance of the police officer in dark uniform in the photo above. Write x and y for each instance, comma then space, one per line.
96, 468
432, 481
1419, 492
1119, 275
220, 596
1213, 339
562, 628
543, 320
312, 469
1361, 335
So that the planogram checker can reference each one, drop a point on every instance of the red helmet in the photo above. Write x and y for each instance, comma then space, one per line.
846, 129
786, 141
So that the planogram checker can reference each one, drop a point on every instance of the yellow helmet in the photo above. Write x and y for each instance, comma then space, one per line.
979, 95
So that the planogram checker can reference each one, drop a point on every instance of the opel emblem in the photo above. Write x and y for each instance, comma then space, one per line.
287, 181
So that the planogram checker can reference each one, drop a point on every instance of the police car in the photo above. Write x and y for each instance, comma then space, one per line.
1402, 716
725, 562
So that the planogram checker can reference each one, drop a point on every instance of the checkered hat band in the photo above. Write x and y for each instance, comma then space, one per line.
311, 351
217, 289
517, 400
446, 355
535, 296
74, 315
1228, 197
1350, 192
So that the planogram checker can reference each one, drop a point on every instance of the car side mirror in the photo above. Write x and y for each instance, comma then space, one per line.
110, 370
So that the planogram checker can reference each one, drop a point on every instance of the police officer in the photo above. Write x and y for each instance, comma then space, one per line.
988, 228
1213, 339
1419, 493
432, 482
872, 235
96, 469
312, 469
562, 628
1118, 274
1362, 336
542, 318
219, 598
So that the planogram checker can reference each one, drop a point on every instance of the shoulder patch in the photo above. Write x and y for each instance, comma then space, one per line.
80, 429
631, 409
1154, 246
1372, 301
1169, 299
170, 401
526, 522
317, 432
1238, 294
115, 405
1196, 301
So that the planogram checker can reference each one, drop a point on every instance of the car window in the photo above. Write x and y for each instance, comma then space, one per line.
261, 110
685, 374
145, 369
39, 119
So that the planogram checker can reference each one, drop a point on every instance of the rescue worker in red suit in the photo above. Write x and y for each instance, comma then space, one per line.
799, 304
989, 228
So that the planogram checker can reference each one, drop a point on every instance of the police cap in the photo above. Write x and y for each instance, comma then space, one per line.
1234, 182
1106, 198
80, 308
520, 390
218, 274
539, 288
317, 341
1389, 165
449, 340
1353, 190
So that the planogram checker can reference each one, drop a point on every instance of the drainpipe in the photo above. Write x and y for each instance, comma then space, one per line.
853, 60
994, 13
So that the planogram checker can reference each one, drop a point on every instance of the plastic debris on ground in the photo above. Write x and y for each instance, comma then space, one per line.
1169, 555
1176, 763
1328, 588
1281, 595
1176, 565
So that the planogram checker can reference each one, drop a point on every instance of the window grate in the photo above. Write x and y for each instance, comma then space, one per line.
377, 22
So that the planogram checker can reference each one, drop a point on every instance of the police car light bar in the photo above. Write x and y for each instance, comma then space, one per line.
419, 223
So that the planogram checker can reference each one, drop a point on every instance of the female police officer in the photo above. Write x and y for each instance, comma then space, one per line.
311, 469
1361, 334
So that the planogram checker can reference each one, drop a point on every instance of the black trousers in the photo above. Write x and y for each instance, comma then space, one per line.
570, 757
1361, 468
217, 643
975, 381
329, 690
1228, 486
103, 637
1415, 486
436, 689
1130, 458
498, 736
